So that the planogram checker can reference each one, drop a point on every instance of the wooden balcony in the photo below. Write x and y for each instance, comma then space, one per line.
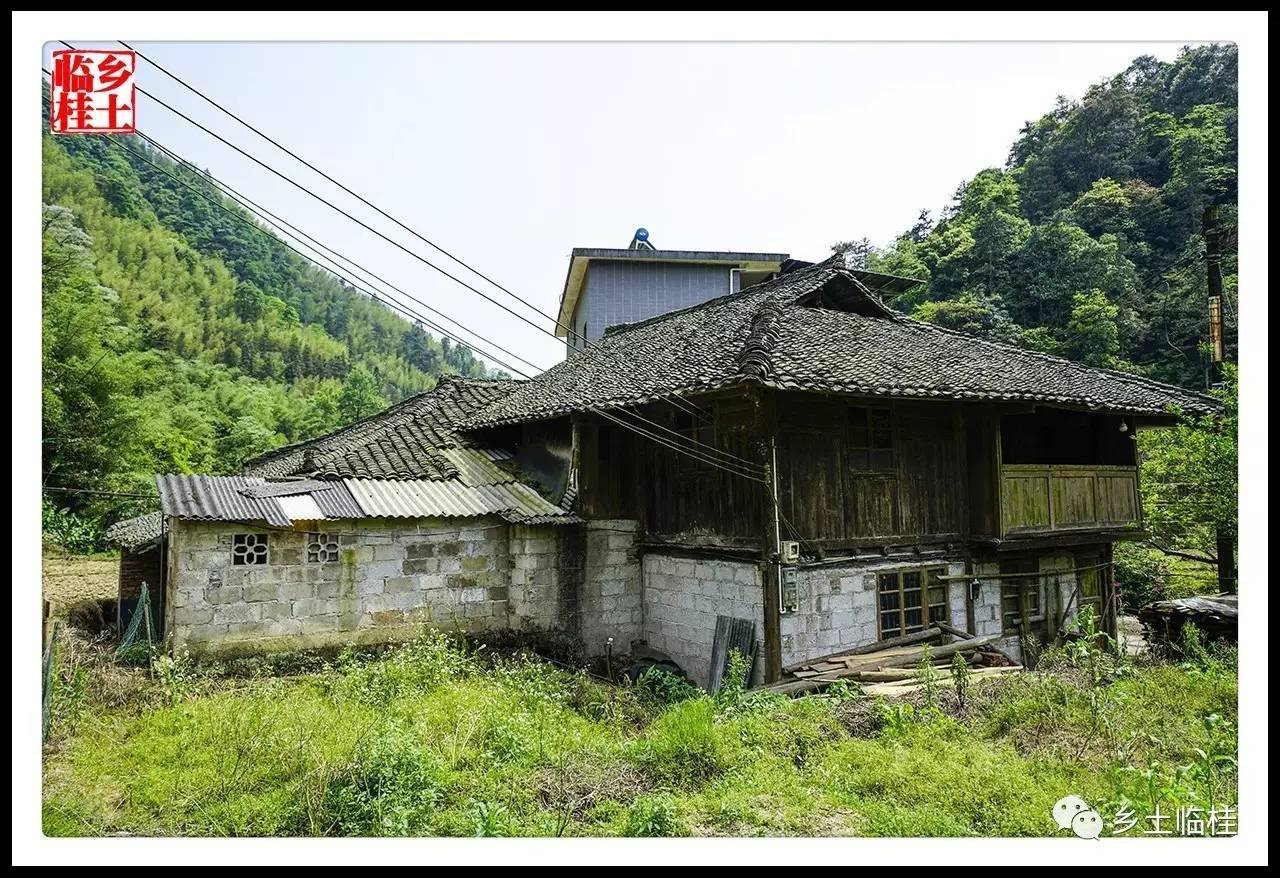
1040, 499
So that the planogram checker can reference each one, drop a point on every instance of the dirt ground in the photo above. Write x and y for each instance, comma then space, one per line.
70, 581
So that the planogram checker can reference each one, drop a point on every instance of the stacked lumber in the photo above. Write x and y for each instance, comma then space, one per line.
889, 662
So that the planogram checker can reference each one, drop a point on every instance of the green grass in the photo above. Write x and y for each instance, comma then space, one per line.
431, 740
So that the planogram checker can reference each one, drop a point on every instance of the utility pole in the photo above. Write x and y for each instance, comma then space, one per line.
1213, 266
1226, 544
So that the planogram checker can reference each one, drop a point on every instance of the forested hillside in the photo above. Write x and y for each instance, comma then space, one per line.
178, 339
1088, 242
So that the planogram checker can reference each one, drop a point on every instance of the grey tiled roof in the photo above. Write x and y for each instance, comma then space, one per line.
135, 533
411, 461
816, 329
402, 442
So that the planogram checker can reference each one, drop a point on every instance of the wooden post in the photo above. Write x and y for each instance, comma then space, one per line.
1024, 624
1226, 544
764, 424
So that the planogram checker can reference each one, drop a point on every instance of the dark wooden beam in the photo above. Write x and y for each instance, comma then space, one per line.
764, 426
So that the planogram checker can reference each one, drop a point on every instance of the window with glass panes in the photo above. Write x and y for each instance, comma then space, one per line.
911, 600
1011, 592
869, 440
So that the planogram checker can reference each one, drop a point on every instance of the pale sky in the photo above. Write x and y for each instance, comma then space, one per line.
509, 155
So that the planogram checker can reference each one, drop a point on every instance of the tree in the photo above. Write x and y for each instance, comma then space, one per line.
1190, 481
1059, 260
250, 302
86, 417
360, 396
855, 253
966, 314
1092, 334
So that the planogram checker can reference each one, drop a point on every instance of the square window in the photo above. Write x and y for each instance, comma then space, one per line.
249, 550
322, 548
902, 601
869, 440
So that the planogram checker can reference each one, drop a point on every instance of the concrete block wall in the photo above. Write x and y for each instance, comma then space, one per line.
987, 613
392, 578
837, 607
683, 596
610, 600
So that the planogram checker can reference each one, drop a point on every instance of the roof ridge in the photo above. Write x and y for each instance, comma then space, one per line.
753, 290
282, 450
755, 357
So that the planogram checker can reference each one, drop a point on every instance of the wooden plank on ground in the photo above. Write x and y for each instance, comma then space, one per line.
917, 637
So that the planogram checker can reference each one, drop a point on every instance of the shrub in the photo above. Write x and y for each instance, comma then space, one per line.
175, 673
391, 787
684, 746
1142, 575
415, 667
68, 530
665, 687
652, 817
489, 820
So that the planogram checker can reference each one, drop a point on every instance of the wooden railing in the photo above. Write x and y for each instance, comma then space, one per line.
1038, 499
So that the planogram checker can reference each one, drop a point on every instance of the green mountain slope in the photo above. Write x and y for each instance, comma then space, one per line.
1088, 242
176, 339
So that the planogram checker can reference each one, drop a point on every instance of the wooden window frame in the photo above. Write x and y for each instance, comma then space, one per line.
1093, 560
245, 550
694, 428
874, 441
1011, 622
926, 606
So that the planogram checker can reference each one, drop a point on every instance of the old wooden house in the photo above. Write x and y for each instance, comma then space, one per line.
793, 454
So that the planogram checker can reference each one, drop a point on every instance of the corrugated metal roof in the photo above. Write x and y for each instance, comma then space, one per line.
332, 498
216, 498
246, 498
483, 489
419, 498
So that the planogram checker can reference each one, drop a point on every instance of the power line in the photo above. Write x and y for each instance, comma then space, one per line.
247, 203
338, 209
340, 185
283, 238
356, 195
732, 460
604, 414
237, 198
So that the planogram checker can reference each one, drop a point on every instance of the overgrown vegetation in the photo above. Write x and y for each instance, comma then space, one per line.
1088, 243
177, 339
438, 738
